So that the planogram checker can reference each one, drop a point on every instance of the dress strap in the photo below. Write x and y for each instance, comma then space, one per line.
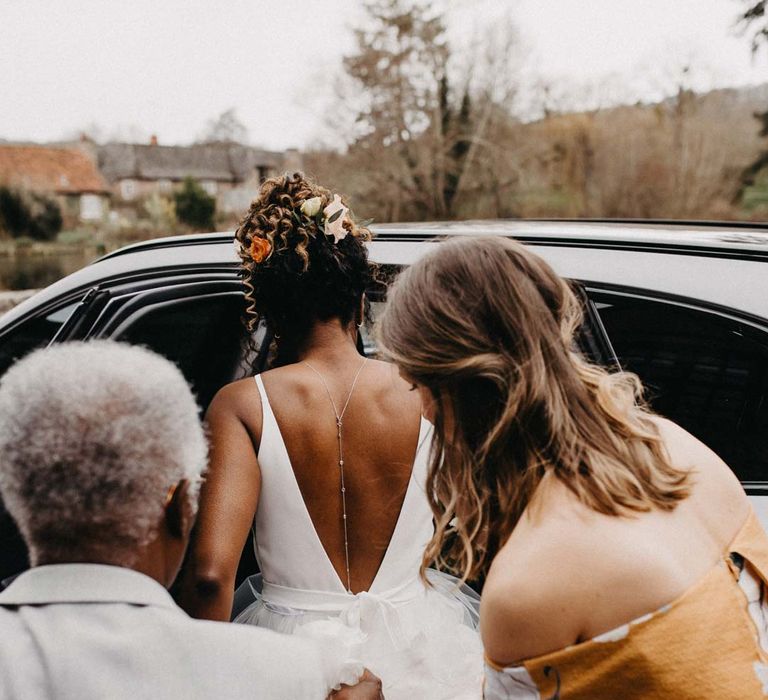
751, 544
262, 391
270, 431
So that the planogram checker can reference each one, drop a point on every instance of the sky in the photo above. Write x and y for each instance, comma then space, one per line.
127, 69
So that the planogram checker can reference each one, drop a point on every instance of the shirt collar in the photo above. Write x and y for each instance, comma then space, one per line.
85, 583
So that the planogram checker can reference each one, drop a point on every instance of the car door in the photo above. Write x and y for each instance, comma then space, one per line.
192, 320
704, 367
197, 325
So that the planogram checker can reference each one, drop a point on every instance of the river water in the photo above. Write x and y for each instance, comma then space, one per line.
33, 270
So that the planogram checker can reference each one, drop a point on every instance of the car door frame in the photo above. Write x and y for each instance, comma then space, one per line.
115, 320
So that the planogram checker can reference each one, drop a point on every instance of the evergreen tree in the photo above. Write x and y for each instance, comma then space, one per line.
194, 206
409, 128
754, 19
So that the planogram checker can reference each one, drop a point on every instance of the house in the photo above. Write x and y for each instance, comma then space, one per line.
66, 174
230, 172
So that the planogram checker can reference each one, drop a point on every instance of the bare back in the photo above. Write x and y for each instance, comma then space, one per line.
380, 435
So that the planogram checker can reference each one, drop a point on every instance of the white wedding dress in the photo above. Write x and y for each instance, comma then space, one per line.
421, 641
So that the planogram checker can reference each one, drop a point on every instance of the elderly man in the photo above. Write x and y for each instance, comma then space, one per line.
101, 456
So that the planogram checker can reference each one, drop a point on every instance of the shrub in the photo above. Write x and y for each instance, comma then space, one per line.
32, 215
161, 212
194, 206
14, 213
45, 218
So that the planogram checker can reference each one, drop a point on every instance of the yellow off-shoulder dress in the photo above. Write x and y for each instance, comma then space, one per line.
711, 642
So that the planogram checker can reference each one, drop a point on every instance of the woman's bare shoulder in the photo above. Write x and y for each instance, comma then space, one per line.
715, 490
707, 468
685, 450
387, 370
535, 593
239, 398
533, 596
390, 386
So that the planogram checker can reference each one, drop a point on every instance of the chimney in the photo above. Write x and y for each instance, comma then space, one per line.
153, 140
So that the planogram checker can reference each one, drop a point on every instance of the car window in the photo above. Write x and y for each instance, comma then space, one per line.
366, 330
707, 372
31, 334
590, 339
377, 299
202, 335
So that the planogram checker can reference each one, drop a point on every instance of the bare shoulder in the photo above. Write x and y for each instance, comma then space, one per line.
686, 451
542, 580
689, 453
390, 386
532, 598
716, 491
237, 399
565, 574
388, 371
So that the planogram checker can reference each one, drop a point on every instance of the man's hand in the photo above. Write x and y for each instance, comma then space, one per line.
367, 688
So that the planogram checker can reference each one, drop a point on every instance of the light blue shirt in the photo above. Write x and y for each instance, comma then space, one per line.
82, 631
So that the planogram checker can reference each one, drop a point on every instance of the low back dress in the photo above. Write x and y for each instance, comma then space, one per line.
420, 639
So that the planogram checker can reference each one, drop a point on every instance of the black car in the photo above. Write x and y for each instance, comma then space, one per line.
684, 306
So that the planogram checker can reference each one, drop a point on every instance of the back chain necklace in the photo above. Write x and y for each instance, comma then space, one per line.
339, 431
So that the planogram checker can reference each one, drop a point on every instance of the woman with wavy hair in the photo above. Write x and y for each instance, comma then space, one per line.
622, 556
324, 456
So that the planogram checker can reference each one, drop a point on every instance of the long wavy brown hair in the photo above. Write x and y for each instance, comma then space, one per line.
490, 328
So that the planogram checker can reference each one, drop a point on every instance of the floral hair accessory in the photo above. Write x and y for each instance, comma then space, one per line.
310, 207
335, 215
260, 249
332, 221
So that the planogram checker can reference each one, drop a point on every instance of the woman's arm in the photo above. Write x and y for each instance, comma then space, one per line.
228, 502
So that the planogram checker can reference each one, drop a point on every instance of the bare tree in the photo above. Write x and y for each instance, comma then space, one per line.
439, 132
753, 18
226, 128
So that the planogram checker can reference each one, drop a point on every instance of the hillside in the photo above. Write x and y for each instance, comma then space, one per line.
680, 158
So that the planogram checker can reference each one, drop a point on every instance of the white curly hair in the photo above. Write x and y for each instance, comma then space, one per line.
92, 437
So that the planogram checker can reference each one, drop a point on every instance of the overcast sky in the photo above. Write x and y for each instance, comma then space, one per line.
165, 67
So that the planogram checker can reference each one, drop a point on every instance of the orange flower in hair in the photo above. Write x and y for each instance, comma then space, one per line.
260, 249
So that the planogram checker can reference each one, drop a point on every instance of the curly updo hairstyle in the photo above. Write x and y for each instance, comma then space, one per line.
293, 272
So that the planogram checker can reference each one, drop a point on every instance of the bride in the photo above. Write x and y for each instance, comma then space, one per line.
324, 456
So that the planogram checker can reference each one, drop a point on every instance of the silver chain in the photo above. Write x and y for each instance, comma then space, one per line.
339, 425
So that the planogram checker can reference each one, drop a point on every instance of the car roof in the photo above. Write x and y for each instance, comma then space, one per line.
582, 242
722, 238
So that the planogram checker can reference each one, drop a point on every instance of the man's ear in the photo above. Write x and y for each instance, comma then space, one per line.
178, 513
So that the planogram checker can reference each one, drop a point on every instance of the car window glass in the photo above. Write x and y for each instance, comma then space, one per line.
366, 330
587, 340
203, 336
385, 275
32, 334
706, 372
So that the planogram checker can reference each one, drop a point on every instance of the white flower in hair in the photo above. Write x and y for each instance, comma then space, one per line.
310, 207
335, 214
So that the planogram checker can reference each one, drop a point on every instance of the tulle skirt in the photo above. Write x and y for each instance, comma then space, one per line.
422, 641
